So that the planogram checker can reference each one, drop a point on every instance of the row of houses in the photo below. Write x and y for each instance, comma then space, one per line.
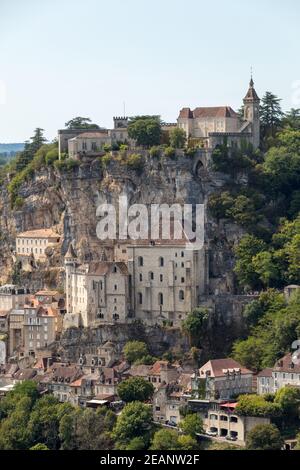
210, 391
29, 323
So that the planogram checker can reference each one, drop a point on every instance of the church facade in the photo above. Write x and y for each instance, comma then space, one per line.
211, 125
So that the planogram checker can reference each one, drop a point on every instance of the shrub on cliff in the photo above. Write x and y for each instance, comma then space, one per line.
136, 162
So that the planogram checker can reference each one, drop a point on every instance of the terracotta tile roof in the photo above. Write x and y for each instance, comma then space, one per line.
285, 364
186, 113
218, 366
92, 135
101, 268
157, 367
48, 293
211, 112
24, 374
141, 370
39, 233
266, 372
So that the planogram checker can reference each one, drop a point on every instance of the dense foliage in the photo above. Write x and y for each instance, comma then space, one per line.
273, 326
135, 389
264, 437
30, 421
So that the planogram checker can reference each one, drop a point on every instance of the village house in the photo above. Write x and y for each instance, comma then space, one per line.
12, 296
210, 126
59, 379
221, 420
108, 381
103, 356
33, 244
170, 398
286, 371
225, 379
162, 372
37, 324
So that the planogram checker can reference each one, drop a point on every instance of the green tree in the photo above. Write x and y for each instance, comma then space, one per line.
187, 443
249, 352
135, 389
248, 247
196, 324
81, 123
264, 437
292, 119
257, 405
134, 421
177, 138
192, 425
270, 114
85, 430
145, 130
288, 399
165, 439
39, 447
134, 350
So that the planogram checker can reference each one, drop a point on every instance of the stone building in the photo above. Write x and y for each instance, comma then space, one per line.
225, 379
12, 296
96, 293
76, 141
221, 419
88, 143
16, 330
286, 372
39, 329
168, 399
211, 126
167, 280
34, 243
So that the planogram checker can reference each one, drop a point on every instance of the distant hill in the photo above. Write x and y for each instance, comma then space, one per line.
15, 147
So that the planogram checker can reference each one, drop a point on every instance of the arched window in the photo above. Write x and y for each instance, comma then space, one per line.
141, 277
161, 261
140, 297
181, 295
151, 276
140, 261
160, 299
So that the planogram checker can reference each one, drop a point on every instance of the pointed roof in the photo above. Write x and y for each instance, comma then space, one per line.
71, 252
251, 93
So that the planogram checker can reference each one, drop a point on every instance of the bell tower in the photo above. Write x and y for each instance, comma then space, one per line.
251, 113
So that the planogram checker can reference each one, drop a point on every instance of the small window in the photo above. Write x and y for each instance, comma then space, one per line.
116, 287
182, 254
151, 276
161, 261
181, 295
140, 297
140, 261
161, 278
160, 299
141, 277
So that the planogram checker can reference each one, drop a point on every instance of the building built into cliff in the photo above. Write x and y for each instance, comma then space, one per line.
159, 283
34, 243
211, 126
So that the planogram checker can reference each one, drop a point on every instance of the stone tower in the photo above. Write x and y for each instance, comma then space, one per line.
251, 113
70, 263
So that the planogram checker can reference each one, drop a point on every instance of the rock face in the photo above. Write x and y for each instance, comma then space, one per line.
68, 202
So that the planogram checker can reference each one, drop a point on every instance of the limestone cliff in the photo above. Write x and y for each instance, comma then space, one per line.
68, 200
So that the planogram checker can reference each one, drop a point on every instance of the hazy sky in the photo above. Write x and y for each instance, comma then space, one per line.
63, 58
